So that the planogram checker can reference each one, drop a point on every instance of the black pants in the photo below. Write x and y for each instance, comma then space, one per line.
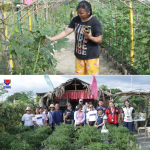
117, 124
91, 123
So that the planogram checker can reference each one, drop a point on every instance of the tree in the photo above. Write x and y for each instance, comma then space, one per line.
24, 96
113, 91
2, 90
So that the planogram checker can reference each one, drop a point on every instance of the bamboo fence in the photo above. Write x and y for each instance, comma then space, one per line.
17, 15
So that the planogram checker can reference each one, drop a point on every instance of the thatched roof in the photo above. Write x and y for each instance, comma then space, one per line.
132, 93
68, 85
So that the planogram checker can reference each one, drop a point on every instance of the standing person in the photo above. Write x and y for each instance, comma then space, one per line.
45, 117
91, 116
113, 114
79, 116
27, 118
57, 115
52, 108
83, 106
128, 114
101, 104
101, 119
87, 110
69, 114
86, 44
38, 119
48, 115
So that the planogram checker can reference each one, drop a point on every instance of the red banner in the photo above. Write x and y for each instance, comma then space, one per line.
77, 95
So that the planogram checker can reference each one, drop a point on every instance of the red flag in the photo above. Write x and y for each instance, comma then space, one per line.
93, 87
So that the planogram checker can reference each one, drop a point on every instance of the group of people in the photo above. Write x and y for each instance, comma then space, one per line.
83, 114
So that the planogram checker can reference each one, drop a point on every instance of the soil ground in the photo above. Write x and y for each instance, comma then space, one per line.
66, 61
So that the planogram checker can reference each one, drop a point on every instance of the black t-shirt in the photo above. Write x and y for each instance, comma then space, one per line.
85, 48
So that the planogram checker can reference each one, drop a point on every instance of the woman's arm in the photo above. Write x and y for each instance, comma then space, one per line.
62, 34
44, 122
95, 123
83, 118
97, 39
75, 118
35, 123
23, 122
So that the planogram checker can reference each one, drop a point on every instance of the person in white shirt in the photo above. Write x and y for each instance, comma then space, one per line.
128, 114
45, 117
48, 115
38, 119
27, 118
87, 110
91, 116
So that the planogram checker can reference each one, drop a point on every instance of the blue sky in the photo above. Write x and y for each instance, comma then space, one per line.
37, 83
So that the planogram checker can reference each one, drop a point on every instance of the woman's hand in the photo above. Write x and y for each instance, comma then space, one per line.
44, 41
88, 35
96, 126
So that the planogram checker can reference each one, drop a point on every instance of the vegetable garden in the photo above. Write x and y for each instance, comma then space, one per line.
124, 24
67, 137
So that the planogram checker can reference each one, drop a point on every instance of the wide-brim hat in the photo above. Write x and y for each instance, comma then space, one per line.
28, 108
51, 105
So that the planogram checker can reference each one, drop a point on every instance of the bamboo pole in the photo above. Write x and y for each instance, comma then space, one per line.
29, 17
3, 47
112, 23
131, 33
6, 31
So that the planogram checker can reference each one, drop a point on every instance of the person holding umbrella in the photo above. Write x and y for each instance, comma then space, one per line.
88, 36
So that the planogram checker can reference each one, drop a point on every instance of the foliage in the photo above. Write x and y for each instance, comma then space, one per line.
29, 54
2, 90
24, 138
117, 30
61, 138
10, 115
113, 91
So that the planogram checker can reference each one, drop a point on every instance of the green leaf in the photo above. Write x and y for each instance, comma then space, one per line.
5, 43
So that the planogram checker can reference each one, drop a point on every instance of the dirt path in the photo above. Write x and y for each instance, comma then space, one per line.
66, 61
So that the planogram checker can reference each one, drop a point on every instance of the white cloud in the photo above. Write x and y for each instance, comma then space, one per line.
37, 83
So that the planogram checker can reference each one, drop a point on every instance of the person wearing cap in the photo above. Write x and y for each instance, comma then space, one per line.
128, 114
52, 108
83, 106
57, 115
48, 115
113, 114
101, 104
38, 118
69, 114
79, 116
27, 118
101, 118
91, 116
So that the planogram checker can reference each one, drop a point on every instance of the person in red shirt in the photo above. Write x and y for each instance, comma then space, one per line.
113, 114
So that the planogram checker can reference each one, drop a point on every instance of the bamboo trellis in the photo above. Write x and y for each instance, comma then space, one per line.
32, 10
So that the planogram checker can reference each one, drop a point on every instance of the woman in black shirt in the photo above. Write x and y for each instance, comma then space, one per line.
88, 35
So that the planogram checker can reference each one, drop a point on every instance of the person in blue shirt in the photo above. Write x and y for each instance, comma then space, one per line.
69, 114
57, 115
128, 114
101, 118
101, 104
